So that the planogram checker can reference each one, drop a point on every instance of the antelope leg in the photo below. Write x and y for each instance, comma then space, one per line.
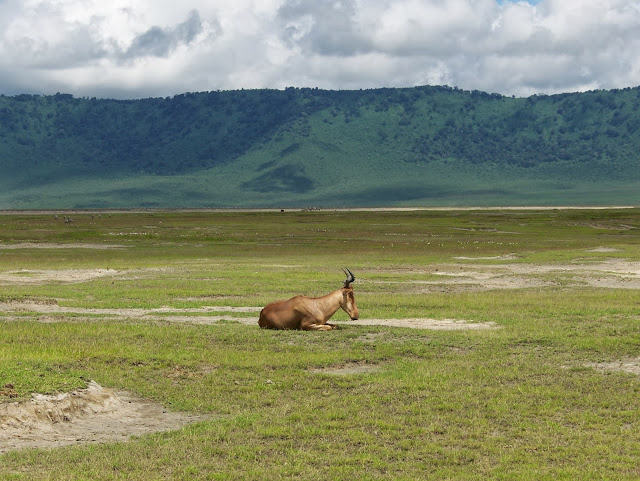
318, 327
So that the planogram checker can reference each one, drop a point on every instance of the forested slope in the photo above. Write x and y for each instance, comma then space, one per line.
423, 145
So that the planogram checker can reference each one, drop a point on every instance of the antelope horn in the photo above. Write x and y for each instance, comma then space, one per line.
350, 277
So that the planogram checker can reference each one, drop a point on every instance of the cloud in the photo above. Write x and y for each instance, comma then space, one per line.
323, 27
133, 48
160, 42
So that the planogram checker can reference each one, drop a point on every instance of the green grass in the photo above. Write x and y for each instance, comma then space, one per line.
510, 403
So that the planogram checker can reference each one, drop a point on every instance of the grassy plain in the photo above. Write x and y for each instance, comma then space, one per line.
523, 401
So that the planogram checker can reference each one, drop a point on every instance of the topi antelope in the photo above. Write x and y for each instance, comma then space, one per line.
310, 313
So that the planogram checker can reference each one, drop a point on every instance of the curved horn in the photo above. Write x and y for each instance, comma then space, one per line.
350, 277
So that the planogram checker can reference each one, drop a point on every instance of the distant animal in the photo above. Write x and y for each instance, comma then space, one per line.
310, 313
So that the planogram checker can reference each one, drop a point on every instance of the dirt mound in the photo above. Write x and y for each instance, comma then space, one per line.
90, 415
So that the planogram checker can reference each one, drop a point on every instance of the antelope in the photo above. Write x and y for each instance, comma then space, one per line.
310, 313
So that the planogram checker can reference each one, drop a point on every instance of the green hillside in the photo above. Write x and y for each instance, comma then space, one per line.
303, 147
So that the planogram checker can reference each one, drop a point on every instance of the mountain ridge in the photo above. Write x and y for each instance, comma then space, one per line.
430, 145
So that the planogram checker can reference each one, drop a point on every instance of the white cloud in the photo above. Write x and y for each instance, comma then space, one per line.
131, 48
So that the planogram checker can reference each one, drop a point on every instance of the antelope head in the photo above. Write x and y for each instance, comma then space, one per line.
348, 299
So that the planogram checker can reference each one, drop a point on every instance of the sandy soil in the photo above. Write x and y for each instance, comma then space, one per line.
67, 276
51, 312
631, 366
91, 415
346, 369
612, 273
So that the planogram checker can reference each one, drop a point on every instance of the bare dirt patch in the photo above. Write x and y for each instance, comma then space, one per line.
51, 312
488, 278
508, 257
607, 273
74, 276
631, 366
91, 415
593, 225
346, 369
54, 308
430, 324
212, 297
612, 273
67, 276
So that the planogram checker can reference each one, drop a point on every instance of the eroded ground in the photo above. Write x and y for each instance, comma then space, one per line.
90, 415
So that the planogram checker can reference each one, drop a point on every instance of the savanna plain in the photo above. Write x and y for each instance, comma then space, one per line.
491, 344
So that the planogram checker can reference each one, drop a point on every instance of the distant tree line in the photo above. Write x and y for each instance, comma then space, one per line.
194, 131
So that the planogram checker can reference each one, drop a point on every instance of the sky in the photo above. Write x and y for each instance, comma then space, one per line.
159, 48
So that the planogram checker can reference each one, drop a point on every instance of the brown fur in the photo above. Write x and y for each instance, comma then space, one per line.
309, 313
